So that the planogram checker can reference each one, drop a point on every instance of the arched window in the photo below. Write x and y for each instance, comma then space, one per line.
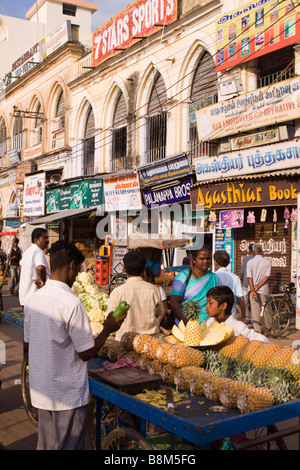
89, 144
119, 135
38, 126
204, 92
12, 210
3, 136
17, 139
156, 126
60, 112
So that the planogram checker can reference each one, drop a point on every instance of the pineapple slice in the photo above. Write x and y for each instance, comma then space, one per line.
181, 326
178, 333
216, 333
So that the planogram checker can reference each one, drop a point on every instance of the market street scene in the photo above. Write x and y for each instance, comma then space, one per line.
149, 235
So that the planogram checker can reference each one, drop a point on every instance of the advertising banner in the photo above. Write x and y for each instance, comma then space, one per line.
122, 193
255, 29
262, 107
138, 20
257, 160
231, 219
172, 168
34, 195
79, 195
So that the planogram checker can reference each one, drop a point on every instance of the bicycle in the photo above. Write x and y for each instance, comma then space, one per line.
116, 279
32, 412
278, 312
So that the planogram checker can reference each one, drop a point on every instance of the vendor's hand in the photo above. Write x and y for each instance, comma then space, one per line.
39, 283
113, 324
254, 295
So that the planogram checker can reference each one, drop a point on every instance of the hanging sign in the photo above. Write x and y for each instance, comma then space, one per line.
79, 195
180, 192
122, 193
34, 195
231, 219
171, 168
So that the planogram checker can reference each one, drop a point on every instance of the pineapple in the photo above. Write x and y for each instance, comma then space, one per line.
254, 399
184, 374
282, 357
213, 385
145, 363
196, 383
109, 343
293, 365
243, 371
264, 354
139, 342
167, 373
181, 356
155, 367
127, 340
230, 390
192, 331
233, 346
248, 350
151, 346
162, 352
213, 360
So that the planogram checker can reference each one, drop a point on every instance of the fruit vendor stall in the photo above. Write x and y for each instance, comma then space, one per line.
222, 387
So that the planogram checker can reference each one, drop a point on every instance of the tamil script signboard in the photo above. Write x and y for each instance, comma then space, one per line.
138, 20
256, 160
255, 29
79, 195
175, 167
262, 107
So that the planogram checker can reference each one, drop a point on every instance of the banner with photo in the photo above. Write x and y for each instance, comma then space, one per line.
255, 29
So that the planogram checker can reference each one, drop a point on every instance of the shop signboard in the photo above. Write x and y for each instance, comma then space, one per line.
246, 194
122, 193
171, 168
138, 20
273, 157
77, 195
260, 138
59, 36
34, 195
255, 29
117, 265
272, 104
174, 194
34, 151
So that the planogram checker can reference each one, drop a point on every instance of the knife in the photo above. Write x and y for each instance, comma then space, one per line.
170, 401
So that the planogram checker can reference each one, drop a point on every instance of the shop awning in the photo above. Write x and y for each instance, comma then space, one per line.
61, 215
156, 241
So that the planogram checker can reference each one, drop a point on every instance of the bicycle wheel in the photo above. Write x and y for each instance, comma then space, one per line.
263, 433
276, 317
30, 410
125, 439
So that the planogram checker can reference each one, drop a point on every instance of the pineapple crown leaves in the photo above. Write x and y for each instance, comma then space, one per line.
191, 309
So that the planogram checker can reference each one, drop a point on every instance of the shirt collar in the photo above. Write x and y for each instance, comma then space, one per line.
60, 284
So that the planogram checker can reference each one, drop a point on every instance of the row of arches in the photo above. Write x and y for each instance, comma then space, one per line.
121, 109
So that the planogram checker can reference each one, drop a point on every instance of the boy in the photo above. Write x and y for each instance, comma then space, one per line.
220, 300
143, 297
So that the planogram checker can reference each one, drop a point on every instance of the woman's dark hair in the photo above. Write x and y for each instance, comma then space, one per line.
222, 294
63, 253
194, 253
222, 258
134, 263
37, 233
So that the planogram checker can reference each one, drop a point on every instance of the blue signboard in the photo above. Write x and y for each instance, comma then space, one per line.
180, 192
171, 168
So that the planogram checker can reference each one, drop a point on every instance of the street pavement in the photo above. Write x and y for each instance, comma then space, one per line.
16, 431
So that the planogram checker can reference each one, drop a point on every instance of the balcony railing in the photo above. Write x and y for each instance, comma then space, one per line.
17, 141
83, 65
3, 148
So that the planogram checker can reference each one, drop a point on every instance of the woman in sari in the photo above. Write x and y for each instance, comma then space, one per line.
193, 284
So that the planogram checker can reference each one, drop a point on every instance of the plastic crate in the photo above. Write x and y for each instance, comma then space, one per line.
101, 271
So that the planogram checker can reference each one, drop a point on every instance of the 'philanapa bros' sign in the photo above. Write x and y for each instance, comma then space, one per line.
138, 20
245, 194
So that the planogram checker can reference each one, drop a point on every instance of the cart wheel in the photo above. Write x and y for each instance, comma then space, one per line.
30, 410
248, 442
125, 439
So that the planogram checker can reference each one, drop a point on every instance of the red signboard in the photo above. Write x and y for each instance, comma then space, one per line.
138, 20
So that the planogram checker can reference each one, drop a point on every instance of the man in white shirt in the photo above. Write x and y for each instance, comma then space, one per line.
34, 266
59, 340
227, 278
245, 283
258, 274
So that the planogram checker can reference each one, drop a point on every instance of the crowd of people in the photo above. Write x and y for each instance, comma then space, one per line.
58, 338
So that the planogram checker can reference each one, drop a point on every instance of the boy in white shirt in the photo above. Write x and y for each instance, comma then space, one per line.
220, 300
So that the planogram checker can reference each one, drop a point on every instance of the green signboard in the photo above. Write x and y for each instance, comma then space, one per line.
79, 195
